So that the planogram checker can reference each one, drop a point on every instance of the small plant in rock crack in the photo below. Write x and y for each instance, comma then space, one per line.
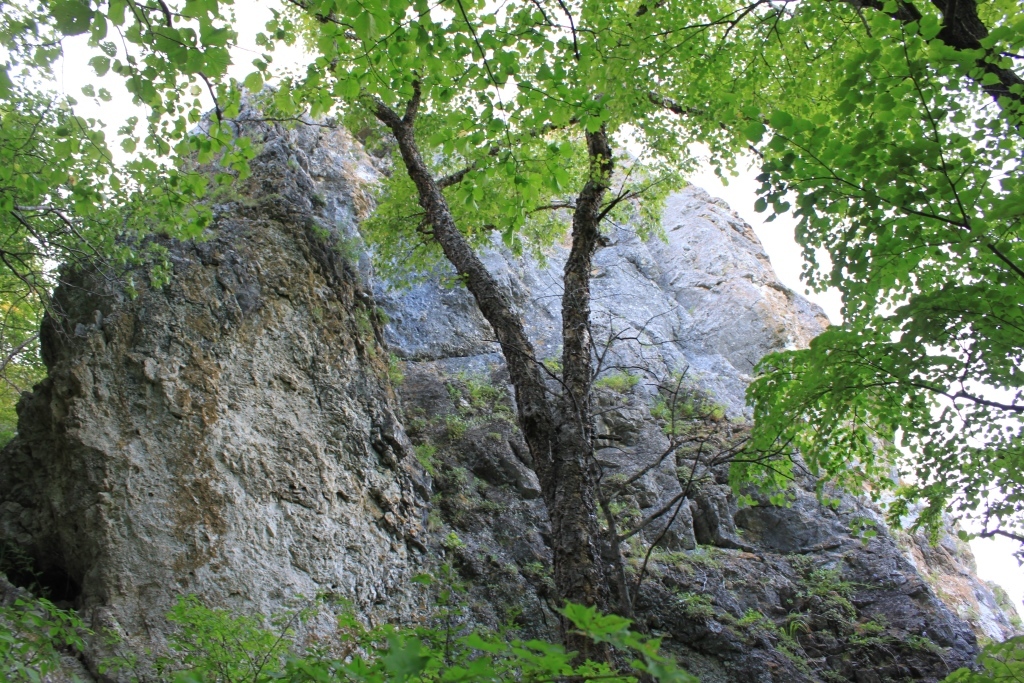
753, 618
452, 541
540, 573
425, 453
457, 426
396, 365
796, 623
695, 605
621, 382
829, 584
553, 365
482, 393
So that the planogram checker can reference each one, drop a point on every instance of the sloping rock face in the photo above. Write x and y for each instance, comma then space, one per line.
232, 434
760, 592
236, 435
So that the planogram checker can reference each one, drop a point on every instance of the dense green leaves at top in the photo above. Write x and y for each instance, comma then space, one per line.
906, 175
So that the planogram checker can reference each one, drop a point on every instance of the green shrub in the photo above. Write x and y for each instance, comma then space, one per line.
554, 365
622, 382
213, 645
216, 645
32, 634
752, 618
828, 585
456, 426
696, 605
395, 366
425, 456
482, 394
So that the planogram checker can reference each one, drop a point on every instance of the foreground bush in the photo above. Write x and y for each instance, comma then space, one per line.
217, 646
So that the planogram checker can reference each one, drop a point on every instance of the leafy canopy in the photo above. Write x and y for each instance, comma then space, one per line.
906, 174
892, 137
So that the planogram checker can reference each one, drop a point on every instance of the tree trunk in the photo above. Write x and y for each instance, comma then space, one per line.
558, 435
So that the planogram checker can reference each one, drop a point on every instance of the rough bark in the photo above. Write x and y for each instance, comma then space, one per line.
557, 434
573, 504
535, 414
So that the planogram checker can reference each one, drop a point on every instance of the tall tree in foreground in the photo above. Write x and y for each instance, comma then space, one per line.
506, 124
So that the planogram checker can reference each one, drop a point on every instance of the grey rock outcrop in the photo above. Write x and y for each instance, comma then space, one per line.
704, 298
232, 434
764, 593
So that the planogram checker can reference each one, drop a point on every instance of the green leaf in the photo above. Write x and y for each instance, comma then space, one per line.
71, 17
754, 131
101, 64
365, 26
215, 37
254, 82
779, 120
116, 10
5, 82
404, 659
217, 60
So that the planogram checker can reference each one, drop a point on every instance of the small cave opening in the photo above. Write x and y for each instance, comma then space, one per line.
43, 579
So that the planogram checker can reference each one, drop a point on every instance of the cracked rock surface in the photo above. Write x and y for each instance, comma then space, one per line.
232, 434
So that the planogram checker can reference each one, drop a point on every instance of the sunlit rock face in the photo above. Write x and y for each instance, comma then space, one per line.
275, 422
232, 434
701, 298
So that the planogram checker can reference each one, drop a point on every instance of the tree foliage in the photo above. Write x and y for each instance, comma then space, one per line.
906, 174
218, 646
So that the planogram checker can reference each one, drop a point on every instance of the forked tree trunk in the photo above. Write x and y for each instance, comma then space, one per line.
559, 431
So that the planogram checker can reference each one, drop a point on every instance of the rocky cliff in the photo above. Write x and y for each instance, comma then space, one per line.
233, 434
274, 422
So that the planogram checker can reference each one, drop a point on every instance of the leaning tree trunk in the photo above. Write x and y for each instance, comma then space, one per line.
558, 434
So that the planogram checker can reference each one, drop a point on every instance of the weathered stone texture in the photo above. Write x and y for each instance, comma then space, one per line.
706, 301
231, 434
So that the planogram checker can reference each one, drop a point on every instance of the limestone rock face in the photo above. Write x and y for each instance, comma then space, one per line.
236, 434
705, 299
232, 434
761, 593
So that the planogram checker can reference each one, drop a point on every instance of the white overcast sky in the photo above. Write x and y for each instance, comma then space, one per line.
994, 556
